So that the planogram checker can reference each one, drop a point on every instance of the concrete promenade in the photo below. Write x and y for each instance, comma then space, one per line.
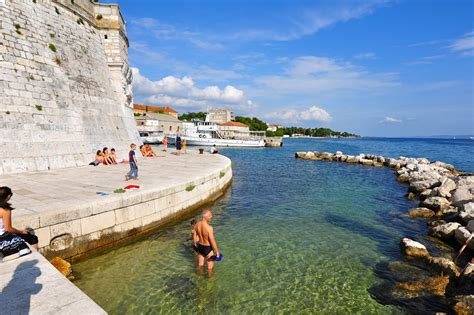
70, 218
31, 285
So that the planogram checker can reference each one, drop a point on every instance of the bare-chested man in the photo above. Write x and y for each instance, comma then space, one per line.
204, 241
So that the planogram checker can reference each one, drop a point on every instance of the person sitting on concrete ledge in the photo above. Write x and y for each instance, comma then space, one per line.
99, 157
149, 151
108, 159
214, 150
116, 159
142, 150
6, 219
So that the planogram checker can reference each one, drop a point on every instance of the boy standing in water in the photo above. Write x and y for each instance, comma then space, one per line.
132, 160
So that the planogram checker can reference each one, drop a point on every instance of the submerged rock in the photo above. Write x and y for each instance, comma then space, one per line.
433, 285
421, 213
444, 231
412, 248
403, 178
464, 305
62, 266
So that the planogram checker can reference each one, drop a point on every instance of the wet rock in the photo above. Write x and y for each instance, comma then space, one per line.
467, 212
433, 285
366, 162
411, 196
380, 159
464, 305
444, 231
425, 194
445, 265
62, 266
419, 186
402, 271
470, 226
352, 159
447, 185
300, 155
469, 271
343, 158
421, 213
436, 203
412, 248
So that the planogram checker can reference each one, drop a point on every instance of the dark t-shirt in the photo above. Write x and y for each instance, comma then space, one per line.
131, 156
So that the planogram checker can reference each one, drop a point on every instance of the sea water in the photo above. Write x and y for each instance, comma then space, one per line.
297, 236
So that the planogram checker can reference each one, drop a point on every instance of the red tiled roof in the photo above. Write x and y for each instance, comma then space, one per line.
152, 108
234, 124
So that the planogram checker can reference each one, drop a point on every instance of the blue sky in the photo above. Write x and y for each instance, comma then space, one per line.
386, 68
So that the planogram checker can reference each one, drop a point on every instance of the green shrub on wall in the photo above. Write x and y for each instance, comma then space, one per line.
221, 174
190, 187
39, 107
52, 47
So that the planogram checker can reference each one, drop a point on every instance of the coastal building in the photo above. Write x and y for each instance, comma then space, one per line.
220, 116
272, 127
233, 129
156, 122
143, 108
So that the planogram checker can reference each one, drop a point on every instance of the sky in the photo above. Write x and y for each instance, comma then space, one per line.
375, 68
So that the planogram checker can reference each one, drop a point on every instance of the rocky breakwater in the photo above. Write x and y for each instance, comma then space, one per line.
446, 202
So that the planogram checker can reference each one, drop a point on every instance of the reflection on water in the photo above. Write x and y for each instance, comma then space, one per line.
297, 237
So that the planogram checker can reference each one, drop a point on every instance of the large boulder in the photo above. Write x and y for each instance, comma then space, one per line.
352, 159
300, 155
444, 231
403, 178
418, 186
443, 165
467, 212
310, 155
436, 203
444, 265
463, 194
470, 226
327, 156
463, 235
412, 248
421, 213
447, 185
423, 161
343, 158
366, 162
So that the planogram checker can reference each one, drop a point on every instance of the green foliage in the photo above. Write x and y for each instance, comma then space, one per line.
39, 107
221, 174
34, 1
160, 111
190, 187
99, 17
190, 116
19, 32
56, 10
17, 26
52, 47
254, 123
137, 114
278, 133
51, 35
317, 132
31, 77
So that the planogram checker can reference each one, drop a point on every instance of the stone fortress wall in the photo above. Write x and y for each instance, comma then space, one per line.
65, 83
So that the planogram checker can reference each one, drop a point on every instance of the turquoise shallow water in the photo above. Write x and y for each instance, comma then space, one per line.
297, 237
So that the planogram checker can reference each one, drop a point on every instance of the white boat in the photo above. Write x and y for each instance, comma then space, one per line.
204, 133
151, 137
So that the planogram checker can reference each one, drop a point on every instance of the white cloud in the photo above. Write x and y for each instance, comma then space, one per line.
366, 56
313, 20
464, 45
312, 75
426, 60
292, 115
182, 92
391, 120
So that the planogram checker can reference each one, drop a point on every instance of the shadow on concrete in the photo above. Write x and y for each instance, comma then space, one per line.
16, 295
